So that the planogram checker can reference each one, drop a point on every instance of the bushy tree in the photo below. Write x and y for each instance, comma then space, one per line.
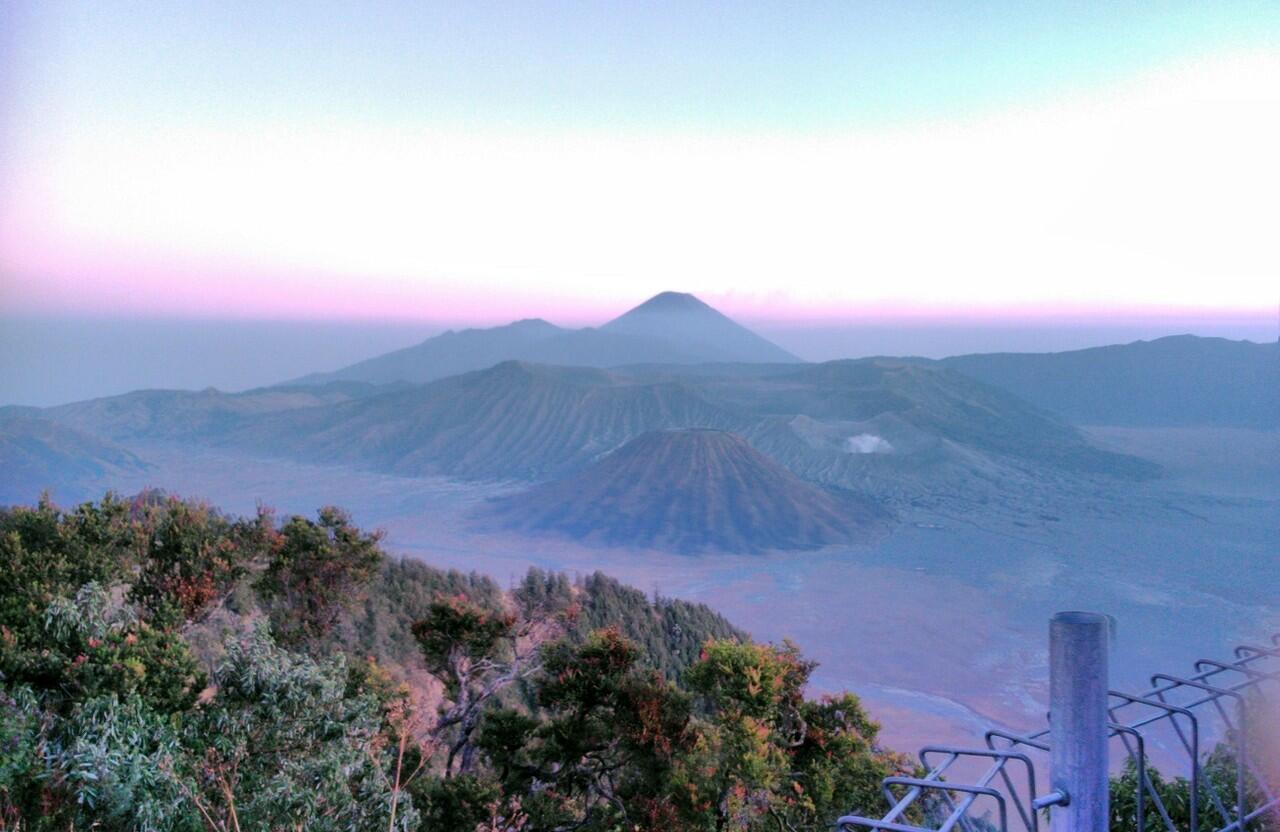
48, 553
316, 570
189, 557
107, 766
92, 647
465, 802
547, 721
613, 745
96, 700
284, 745
107, 721
602, 755
768, 758
477, 653
838, 765
1217, 776
20, 765
738, 776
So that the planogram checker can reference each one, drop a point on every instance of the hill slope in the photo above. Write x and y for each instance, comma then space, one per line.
193, 414
37, 454
945, 404
838, 421
689, 491
1180, 381
898, 430
671, 631
512, 421
447, 354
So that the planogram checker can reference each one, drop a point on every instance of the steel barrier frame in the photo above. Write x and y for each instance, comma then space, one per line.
1193, 708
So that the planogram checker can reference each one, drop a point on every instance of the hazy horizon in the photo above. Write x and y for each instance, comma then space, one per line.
184, 203
47, 361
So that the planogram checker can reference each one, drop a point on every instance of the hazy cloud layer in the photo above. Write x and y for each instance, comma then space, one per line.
1151, 194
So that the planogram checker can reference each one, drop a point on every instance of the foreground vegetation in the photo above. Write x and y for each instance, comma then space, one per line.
165, 667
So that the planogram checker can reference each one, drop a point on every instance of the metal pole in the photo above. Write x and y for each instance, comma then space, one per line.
1079, 643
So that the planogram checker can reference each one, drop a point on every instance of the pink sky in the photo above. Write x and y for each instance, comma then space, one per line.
201, 291
1150, 198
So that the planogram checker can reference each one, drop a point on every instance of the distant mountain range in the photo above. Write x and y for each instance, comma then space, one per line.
689, 491
512, 421
529, 422
970, 431
1178, 381
53, 456
669, 328
890, 428
194, 414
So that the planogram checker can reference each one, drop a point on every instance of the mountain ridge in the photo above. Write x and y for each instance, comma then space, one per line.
898, 429
39, 450
670, 327
1174, 381
516, 420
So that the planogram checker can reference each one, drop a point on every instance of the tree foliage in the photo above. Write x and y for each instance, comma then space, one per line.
49, 553
189, 556
1217, 779
316, 569
356, 692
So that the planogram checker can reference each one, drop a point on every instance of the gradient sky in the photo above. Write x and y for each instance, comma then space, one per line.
470, 162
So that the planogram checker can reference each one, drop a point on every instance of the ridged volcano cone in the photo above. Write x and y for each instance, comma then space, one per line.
690, 491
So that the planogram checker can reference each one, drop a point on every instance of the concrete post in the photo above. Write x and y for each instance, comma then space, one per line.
1079, 643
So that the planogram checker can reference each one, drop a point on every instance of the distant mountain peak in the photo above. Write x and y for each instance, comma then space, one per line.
699, 328
522, 326
532, 323
668, 328
667, 301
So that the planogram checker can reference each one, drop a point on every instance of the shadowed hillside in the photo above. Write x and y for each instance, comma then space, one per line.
524, 421
945, 404
900, 429
36, 454
447, 354
513, 421
194, 414
1180, 381
690, 491
891, 428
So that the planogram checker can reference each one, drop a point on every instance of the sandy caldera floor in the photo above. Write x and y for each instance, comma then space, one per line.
941, 627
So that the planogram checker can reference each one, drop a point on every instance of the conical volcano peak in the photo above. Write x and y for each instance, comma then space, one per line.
671, 301
534, 324
701, 329
668, 328
690, 490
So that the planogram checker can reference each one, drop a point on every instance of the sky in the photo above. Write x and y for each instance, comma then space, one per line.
804, 162
244, 192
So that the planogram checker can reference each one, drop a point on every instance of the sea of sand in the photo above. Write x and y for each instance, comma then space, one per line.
942, 626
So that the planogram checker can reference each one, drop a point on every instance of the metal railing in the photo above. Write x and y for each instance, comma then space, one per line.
1199, 723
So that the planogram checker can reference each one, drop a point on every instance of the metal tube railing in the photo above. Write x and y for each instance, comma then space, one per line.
1079, 660
1084, 718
